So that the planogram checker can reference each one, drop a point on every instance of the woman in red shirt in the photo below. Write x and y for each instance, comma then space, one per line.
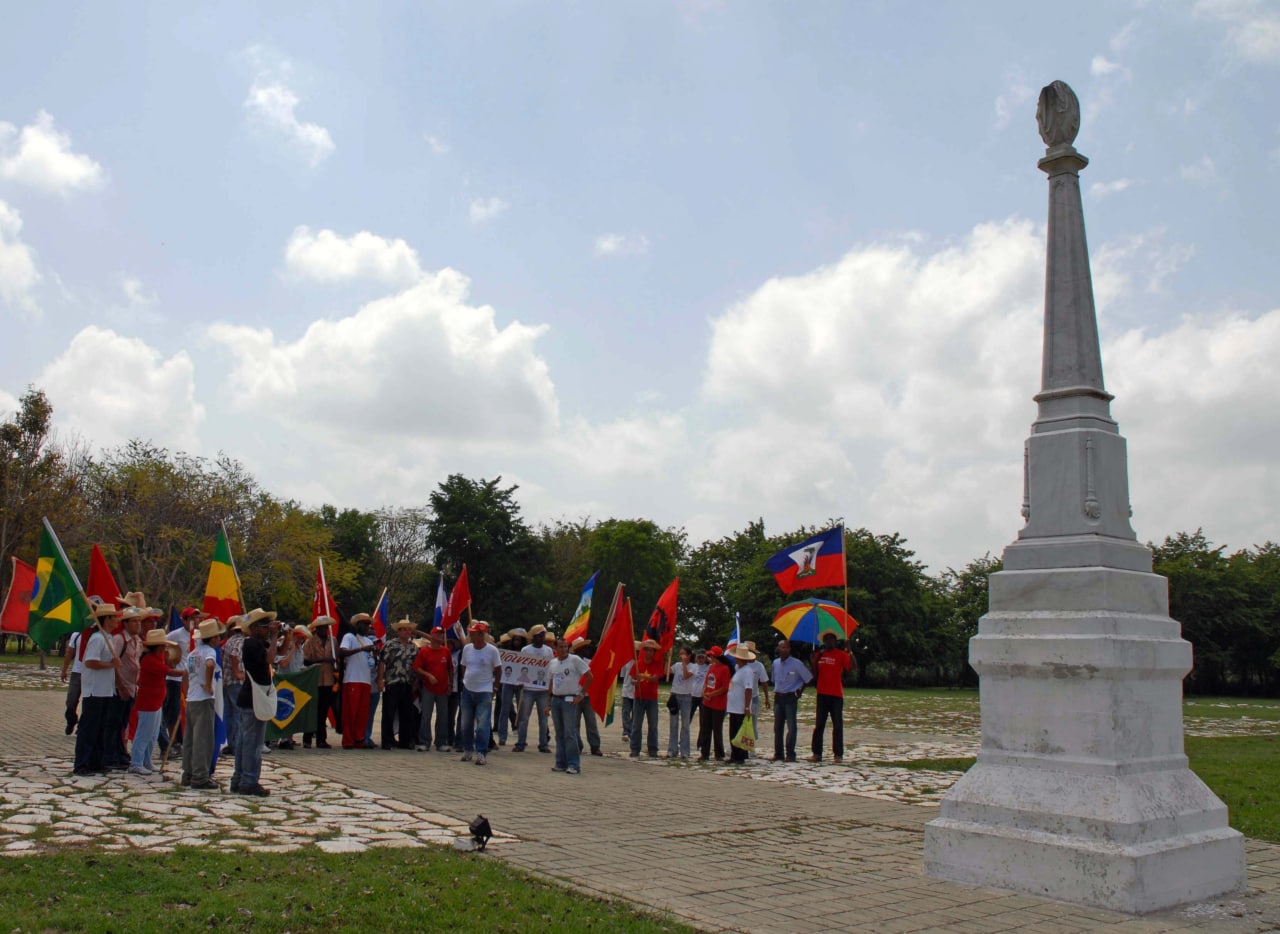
153, 668
714, 701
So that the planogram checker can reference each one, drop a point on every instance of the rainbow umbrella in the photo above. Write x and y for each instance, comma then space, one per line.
808, 620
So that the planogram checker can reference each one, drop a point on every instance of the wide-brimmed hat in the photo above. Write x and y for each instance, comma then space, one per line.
361, 618
238, 622
133, 612
104, 609
751, 645
156, 637
322, 621
258, 615
133, 598
478, 625
154, 612
209, 629
650, 644
742, 653
538, 630
405, 623
518, 633
301, 629
579, 643
505, 639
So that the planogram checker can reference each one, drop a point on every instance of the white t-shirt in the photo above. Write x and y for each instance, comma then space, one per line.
700, 679
196, 663
566, 673
628, 686
77, 666
762, 673
183, 638
97, 682
679, 683
479, 664
743, 679
358, 668
543, 651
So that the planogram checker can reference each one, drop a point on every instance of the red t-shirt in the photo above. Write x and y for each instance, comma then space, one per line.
718, 676
647, 690
151, 672
437, 662
832, 663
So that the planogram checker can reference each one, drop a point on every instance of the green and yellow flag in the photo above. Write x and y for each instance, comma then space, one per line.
58, 604
222, 592
296, 703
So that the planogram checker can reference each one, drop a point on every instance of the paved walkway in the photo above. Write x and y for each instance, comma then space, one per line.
720, 851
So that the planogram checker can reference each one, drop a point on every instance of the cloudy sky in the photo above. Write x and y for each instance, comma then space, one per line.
687, 260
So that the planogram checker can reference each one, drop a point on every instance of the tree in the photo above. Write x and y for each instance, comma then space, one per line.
638, 553
477, 523
967, 599
36, 477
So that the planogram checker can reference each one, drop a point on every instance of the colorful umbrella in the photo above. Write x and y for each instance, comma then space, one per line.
808, 620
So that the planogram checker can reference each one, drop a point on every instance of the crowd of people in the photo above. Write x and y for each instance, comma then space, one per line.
128, 676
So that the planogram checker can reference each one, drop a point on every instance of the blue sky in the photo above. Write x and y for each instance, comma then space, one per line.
694, 261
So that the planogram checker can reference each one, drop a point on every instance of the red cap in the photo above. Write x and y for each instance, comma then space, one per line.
189, 612
436, 629
716, 651
478, 626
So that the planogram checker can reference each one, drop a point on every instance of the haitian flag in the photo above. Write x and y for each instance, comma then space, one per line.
295, 703
380, 616
815, 562
662, 623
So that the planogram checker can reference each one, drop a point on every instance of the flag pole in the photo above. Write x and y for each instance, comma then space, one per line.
97, 622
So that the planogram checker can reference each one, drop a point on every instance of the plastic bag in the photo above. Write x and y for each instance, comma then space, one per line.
746, 736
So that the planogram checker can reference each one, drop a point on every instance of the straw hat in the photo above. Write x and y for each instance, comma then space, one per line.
505, 639
405, 623
154, 612
258, 615
209, 629
519, 633
133, 598
742, 653
538, 630
579, 643
238, 623
301, 629
650, 644
361, 618
134, 612
322, 621
104, 609
156, 637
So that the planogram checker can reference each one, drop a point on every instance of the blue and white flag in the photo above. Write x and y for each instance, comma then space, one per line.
736, 636
442, 603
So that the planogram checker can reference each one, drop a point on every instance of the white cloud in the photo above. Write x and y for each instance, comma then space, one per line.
422, 364
1016, 93
135, 292
1101, 65
1146, 257
109, 388
1124, 37
438, 146
325, 256
1203, 172
1253, 27
40, 156
1102, 189
272, 104
483, 210
18, 273
615, 244
894, 388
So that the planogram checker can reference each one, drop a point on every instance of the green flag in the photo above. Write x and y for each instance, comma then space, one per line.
58, 604
296, 703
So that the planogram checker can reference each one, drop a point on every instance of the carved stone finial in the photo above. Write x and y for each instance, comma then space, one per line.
1058, 114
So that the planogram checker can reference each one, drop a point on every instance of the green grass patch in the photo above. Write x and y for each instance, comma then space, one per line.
429, 889
931, 765
1244, 771
1232, 708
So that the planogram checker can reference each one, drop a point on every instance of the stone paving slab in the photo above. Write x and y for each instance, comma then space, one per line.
718, 848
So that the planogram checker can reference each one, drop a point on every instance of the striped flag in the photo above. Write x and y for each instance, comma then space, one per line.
736, 636
442, 604
380, 616
222, 591
582, 615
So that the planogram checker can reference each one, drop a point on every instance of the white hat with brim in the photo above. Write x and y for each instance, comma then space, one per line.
156, 637
208, 629
105, 609
259, 615
579, 644
742, 653
404, 624
361, 618
133, 598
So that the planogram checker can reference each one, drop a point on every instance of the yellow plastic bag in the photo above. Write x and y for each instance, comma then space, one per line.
746, 736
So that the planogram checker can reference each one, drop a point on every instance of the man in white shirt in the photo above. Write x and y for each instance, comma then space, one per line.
97, 690
535, 695
479, 664
202, 680
570, 678
738, 705
72, 663
357, 650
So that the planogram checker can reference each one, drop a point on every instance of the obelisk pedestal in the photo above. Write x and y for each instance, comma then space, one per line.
1081, 791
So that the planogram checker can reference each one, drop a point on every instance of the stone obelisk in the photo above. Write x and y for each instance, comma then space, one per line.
1081, 791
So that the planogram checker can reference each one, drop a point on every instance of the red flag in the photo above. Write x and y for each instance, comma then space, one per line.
101, 582
459, 600
13, 618
662, 622
321, 602
617, 647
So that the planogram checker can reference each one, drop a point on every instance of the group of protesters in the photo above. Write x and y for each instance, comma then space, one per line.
436, 691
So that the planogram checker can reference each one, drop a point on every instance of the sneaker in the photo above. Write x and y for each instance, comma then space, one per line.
206, 785
140, 770
466, 757
571, 770
267, 750
480, 759
557, 768
185, 781
421, 748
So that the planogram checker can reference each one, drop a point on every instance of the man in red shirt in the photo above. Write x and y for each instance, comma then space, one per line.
647, 675
829, 666
715, 697
434, 667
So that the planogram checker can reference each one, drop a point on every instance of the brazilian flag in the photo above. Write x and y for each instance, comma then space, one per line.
296, 703
58, 604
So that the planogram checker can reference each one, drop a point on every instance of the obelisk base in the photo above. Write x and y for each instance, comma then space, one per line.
981, 840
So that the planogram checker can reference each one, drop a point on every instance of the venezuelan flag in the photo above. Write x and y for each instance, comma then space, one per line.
222, 592
582, 615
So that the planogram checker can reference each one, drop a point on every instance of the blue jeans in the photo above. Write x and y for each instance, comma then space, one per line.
639, 710
565, 714
439, 705
144, 738
475, 721
784, 718
230, 712
253, 733
678, 740
628, 709
528, 700
506, 705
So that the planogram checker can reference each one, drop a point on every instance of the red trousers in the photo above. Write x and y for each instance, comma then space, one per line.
355, 713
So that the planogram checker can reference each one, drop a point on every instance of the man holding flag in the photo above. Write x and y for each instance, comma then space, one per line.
97, 692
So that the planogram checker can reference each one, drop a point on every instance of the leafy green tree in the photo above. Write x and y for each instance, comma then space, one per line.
37, 478
967, 598
355, 536
566, 547
638, 553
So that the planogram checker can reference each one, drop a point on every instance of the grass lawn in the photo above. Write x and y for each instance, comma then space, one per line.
430, 889
1244, 771
1232, 708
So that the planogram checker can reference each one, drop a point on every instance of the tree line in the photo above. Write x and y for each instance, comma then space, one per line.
156, 514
